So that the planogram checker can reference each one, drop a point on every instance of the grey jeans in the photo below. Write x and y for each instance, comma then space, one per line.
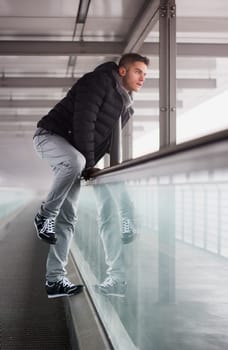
61, 203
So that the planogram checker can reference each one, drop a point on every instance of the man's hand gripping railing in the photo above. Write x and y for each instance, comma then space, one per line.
88, 173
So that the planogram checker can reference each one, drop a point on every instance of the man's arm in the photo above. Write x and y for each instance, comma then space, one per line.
89, 97
89, 172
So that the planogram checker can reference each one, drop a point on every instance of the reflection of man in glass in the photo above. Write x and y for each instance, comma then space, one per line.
115, 222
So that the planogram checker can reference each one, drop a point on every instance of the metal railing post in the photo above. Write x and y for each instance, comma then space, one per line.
167, 120
116, 145
167, 71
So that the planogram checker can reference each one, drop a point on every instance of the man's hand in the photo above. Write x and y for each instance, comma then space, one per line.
89, 172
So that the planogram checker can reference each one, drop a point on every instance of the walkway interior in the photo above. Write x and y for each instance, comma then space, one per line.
28, 319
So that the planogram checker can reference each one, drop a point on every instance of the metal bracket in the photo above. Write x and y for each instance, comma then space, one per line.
168, 10
172, 11
163, 11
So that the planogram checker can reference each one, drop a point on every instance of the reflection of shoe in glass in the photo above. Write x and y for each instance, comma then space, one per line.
62, 288
128, 232
111, 287
45, 229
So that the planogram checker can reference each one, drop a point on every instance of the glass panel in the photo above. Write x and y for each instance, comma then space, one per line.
146, 106
11, 199
202, 79
105, 209
176, 267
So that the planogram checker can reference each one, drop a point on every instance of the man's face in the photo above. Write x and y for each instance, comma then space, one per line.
133, 75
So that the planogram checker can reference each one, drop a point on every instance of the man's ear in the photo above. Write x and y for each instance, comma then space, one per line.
122, 71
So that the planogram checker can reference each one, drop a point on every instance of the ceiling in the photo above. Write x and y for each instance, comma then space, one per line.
47, 44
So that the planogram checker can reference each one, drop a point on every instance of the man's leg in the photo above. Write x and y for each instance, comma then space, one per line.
56, 283
67, 164
65, 227
61, 204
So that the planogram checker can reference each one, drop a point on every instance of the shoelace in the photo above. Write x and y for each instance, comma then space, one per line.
125, 226
49, 226
108, 282
65, 282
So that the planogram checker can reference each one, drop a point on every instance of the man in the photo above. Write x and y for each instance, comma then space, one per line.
73, 137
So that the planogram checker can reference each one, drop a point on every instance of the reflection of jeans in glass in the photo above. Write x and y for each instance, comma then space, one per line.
113, 203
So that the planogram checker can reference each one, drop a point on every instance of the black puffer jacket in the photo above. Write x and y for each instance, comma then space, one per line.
88, 114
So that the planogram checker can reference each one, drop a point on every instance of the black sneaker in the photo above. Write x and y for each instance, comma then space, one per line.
45, 229
128, 231
111, 287
62, 288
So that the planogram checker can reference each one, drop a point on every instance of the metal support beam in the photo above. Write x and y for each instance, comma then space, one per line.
142, 25
139, 30
19, 118
116, 145
67, 48
60, 48
25, 103
148, 104
37, 82
35, 117
166, 238
190, 49
167, 71
167, 126
183, 83
68, 82
48, 103
127, 140
202, 50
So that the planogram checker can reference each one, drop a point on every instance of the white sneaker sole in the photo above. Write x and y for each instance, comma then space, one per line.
60, 295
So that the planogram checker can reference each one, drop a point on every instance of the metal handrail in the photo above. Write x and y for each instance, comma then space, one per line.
168, 151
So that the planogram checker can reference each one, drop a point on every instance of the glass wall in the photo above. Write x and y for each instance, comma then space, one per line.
202, 68
159, 230
12, 199
151, 241
146, 105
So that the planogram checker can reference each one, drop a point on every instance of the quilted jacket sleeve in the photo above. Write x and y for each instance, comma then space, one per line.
89, 97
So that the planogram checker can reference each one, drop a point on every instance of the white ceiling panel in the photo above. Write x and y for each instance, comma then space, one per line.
114, 29
111, 9
20, 27
41, 8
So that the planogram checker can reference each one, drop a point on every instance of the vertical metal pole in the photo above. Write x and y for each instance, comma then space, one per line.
205, 216
219, 215
116, 145
166, 221
172, 72
167, 71
166, 201
127, 138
